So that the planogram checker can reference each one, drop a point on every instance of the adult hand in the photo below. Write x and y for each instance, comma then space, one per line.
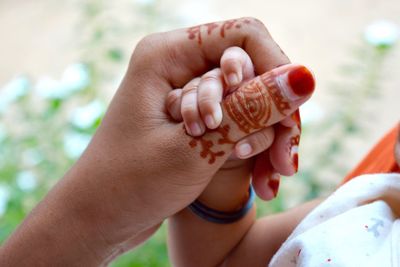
141, 167
201, 109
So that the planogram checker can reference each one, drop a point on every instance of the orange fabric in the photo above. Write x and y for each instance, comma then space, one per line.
380, 159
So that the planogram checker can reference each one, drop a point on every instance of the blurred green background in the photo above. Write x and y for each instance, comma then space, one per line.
62, 62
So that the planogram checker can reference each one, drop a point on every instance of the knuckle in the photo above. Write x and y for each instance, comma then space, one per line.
148, 40
206, 105
231, 61
190, 89
257, 22
257, 25
143, 54
233, 53
206, 100
188, 112
212, 75
263, 140
173, 98
207, 79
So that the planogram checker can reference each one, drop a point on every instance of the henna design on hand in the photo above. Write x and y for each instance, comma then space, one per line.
207, 145
224, 131
297, 119
210, 27
195, 32
251, 106
206, 151
226, 26
294, 141
274, 91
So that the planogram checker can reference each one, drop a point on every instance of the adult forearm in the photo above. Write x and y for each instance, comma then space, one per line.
75, 225
52, 235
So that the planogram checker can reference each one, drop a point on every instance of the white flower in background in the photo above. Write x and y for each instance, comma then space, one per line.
31, 157
4, 197
26, 181
50, 88
75, 143
382, 33
75, 78
84, 117
311, 112
12, 91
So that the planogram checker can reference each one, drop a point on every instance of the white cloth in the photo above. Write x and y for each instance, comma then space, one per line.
356, 226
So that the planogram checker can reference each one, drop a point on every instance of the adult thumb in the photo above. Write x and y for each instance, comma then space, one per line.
266, 100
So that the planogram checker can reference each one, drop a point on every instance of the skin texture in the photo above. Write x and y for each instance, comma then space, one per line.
139, 167
202, 107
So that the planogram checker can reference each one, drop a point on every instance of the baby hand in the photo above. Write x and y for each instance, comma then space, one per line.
198, 105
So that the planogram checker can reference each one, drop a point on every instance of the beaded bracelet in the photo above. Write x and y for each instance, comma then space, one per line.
222, 217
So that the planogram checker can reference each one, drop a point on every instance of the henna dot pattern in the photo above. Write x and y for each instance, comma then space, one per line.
207, 145
195, 33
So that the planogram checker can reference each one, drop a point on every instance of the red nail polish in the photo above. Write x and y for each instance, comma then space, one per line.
293, 150
301, 81
296, 118
295, 161
274, 185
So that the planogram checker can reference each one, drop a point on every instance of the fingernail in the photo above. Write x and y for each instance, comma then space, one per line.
295, 157
273, 184
195, 129
214, 120
295, 160
295, 83
210, 122
217, 114
269, 194
233, 79
301, 81
244, 150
